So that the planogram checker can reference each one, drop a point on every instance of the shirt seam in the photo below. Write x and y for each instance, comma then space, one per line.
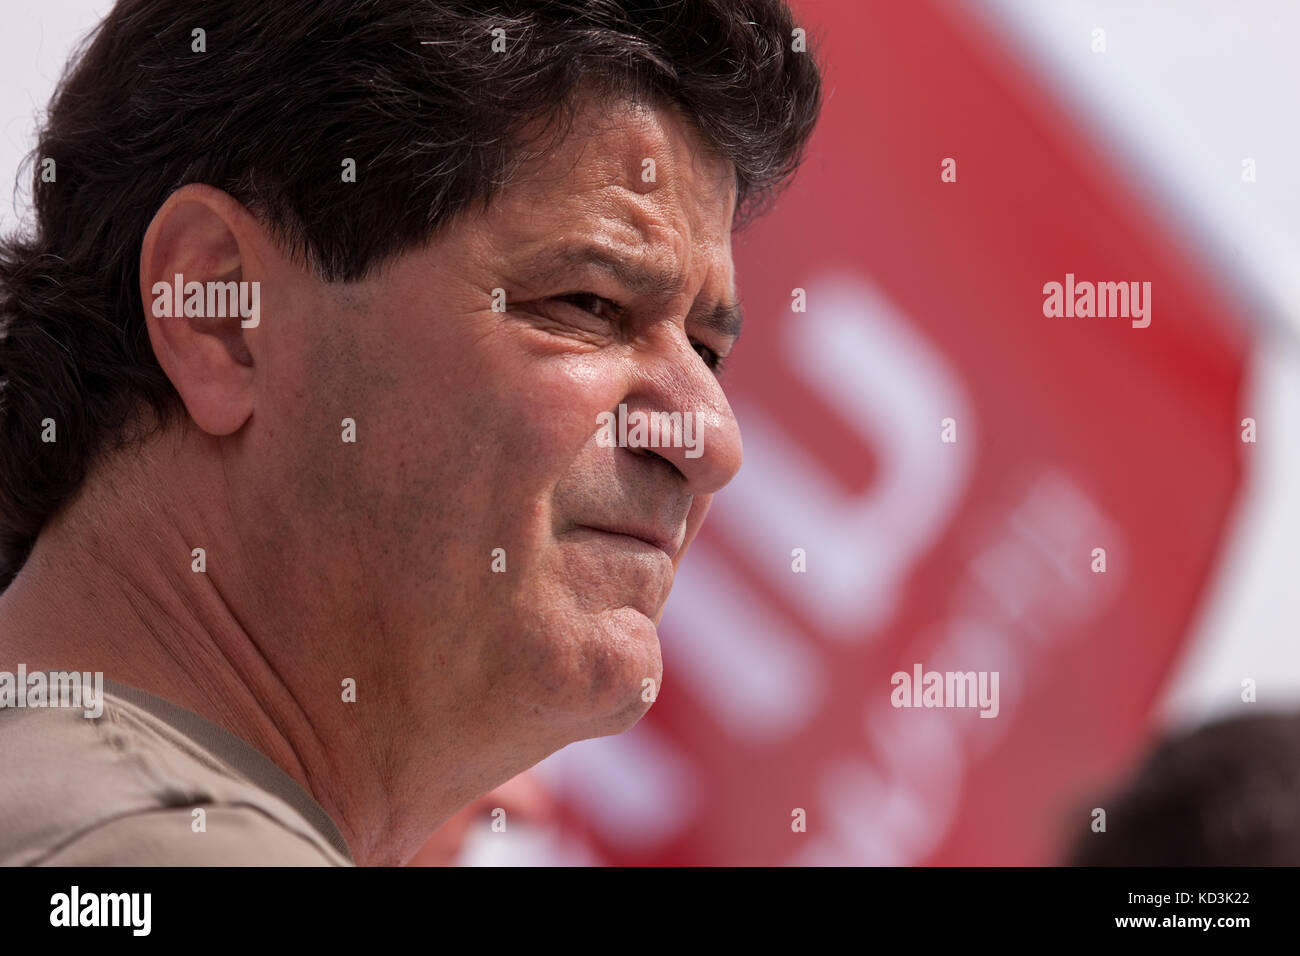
90, 830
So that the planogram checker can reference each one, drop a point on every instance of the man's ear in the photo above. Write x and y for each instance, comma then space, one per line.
203, 325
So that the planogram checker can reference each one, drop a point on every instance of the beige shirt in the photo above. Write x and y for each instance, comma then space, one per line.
121, 790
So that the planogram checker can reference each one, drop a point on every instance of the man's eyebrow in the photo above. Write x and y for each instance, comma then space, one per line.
639, 278
726, 319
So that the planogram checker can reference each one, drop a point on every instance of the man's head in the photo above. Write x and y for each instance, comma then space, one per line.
476, 524
475, 227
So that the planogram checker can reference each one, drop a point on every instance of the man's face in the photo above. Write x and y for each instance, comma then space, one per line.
476, 428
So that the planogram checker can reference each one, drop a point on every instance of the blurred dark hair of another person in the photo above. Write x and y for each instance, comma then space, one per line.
1224, 794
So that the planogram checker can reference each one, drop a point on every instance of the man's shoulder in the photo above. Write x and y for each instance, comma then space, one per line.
125, 788
221, 835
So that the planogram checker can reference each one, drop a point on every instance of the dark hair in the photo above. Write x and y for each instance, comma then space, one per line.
412, 90
1226, 794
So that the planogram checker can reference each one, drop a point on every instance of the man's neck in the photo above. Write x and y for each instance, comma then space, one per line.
93, 596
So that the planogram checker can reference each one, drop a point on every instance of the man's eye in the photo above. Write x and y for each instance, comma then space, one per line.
711, 358
590, 302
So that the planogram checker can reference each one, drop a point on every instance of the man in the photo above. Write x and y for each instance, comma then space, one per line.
305, 371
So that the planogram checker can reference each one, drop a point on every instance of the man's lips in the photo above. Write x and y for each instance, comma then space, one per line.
656, 538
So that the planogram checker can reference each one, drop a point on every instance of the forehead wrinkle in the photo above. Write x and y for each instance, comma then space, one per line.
643, 237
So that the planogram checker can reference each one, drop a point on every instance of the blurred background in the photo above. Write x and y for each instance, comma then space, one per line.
1116, 141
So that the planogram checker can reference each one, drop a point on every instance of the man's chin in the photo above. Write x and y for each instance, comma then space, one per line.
624, 669
589, 672
625, 719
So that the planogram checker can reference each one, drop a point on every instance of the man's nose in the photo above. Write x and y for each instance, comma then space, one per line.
685, 417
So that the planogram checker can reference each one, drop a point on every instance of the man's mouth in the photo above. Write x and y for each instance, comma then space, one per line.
655, 538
